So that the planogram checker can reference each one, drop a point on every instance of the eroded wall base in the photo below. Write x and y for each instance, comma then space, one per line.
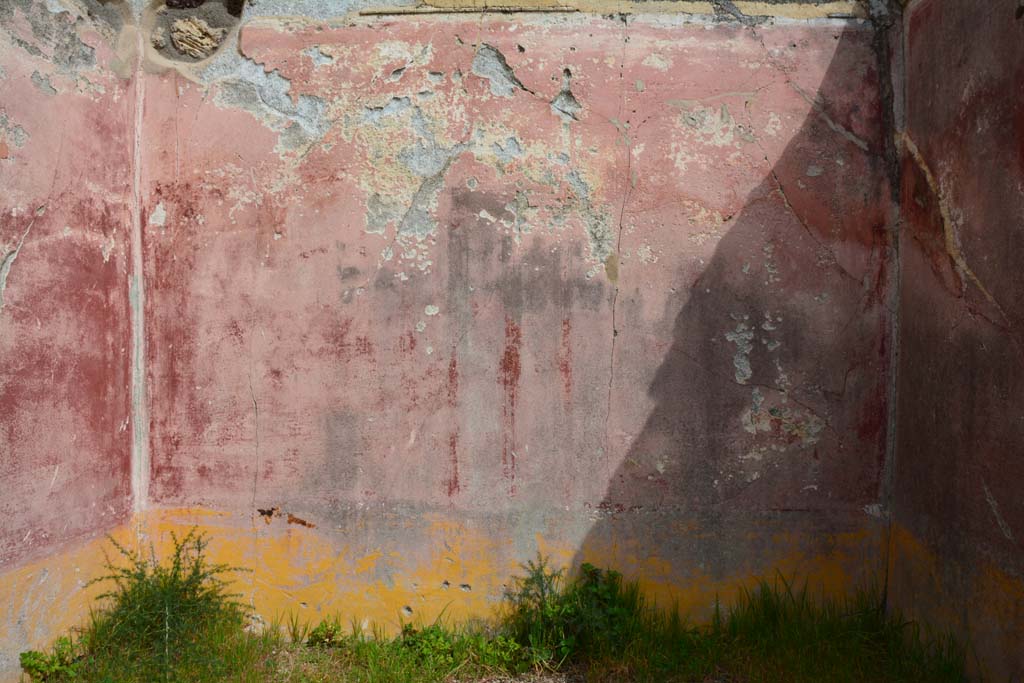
386, 568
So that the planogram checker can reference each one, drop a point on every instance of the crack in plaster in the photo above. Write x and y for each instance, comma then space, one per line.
12, 255
612, 260
417, 220
807, 228
1003, 526
565, 103
842, 131
490, 63
789, 206
817, 105
951, 238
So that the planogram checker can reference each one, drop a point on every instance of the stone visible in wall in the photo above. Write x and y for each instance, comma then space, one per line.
194, 37
192, 30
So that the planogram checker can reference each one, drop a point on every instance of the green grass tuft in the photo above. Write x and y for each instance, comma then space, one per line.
176, 621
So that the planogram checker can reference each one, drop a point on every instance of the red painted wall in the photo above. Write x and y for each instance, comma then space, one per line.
65, 174
960, 457
430, 291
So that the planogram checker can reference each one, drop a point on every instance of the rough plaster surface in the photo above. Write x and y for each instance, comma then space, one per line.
65, 152
453, 301
434, 292
65, 171
513, 280
959, 465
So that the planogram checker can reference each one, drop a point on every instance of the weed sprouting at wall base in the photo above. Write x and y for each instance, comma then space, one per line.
177, 621
160, 621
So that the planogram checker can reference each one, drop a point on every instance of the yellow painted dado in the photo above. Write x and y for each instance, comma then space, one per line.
363, 573
44, 598
981, 604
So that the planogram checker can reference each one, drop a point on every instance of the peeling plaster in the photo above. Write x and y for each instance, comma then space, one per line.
489, 63
265, 94
43, 83
565, 103
318, 56
743, 338
54, 31
600, 230
14, 133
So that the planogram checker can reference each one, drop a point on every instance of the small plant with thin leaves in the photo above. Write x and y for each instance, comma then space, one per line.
535, 613
160, 621
592, 617
298, 630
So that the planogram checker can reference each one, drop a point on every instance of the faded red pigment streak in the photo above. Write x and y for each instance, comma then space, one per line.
565, 359
510, 371
452, 482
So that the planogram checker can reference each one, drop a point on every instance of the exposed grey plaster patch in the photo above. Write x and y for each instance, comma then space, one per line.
380, 212
519, 209
110, 15
565, 103
417, 219
508, 151
394, 107
265, 94
489, 63
743, 338
43, 84
54, 34
427, 157
879, 9
598, 224
14, 133
318, 56
71, 55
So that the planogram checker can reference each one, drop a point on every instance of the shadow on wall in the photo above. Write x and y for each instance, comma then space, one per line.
767, 436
